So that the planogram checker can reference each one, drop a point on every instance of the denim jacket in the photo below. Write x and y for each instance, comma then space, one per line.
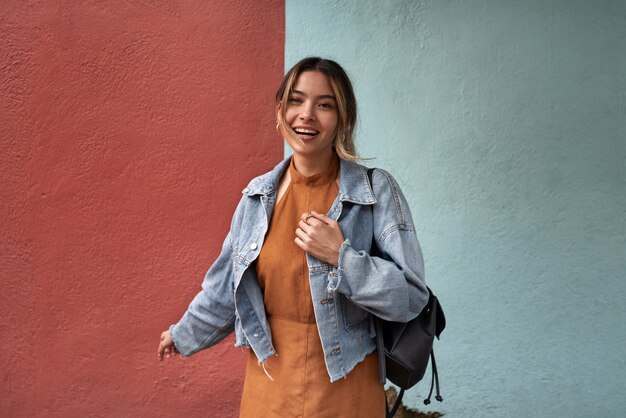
390, 286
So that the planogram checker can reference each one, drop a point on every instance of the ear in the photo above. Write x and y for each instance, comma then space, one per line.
279, 105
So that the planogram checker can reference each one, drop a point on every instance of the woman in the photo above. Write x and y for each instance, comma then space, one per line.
295, 280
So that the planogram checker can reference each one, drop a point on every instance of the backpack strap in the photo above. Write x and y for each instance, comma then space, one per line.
379, 326
380, 343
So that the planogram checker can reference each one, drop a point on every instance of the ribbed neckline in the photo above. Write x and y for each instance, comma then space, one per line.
319, 179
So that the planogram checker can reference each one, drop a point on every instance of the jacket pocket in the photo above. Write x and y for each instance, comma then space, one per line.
352, 314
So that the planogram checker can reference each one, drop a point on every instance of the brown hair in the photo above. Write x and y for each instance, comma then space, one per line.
344, 95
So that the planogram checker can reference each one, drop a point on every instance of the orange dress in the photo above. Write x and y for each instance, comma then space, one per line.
300, 385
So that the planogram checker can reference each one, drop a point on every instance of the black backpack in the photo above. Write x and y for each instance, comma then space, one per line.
405, 348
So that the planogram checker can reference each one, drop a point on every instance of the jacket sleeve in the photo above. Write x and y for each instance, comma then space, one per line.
390, 285
211, 314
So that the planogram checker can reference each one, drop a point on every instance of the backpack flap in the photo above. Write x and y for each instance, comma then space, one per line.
408, 345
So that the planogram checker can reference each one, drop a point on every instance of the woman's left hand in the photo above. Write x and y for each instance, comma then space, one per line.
320, 236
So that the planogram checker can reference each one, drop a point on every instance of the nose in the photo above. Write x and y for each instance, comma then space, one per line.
307, 112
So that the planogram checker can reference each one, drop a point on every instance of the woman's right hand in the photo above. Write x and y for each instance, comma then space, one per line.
166, 346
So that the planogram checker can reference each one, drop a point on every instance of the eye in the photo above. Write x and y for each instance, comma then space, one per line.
295, 100
325, 105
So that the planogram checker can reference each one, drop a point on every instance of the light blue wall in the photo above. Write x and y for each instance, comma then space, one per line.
505, 124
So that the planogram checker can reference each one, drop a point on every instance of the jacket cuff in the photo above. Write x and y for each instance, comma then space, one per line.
177, 342
334, 277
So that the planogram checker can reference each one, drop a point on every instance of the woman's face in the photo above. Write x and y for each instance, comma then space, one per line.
311, 112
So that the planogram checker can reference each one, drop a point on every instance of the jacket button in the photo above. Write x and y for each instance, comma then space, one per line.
253, 246
256, 335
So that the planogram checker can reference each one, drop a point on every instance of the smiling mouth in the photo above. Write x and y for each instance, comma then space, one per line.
305, 133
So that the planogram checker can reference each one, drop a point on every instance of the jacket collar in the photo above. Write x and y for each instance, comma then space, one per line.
267, 183
354, 185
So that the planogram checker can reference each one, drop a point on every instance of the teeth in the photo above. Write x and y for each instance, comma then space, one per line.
305, 131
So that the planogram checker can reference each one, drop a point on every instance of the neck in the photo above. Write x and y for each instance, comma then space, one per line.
311, 165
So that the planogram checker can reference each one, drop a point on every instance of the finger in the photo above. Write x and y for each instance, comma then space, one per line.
305, 227
315, 222
301, 244
321, 217
305, 217
303, 236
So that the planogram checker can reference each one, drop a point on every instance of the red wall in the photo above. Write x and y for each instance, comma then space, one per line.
128, 130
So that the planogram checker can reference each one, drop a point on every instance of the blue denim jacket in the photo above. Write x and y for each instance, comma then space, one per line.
344, 298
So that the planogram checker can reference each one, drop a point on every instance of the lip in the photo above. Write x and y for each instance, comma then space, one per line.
305, 137
307, 127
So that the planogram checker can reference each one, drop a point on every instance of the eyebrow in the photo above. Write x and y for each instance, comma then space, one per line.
323, 96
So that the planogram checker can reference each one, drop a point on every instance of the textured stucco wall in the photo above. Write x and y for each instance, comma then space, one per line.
504, 123
128, 130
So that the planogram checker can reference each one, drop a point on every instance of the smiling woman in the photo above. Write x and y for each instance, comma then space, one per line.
300, 289
333, 88
311, 113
